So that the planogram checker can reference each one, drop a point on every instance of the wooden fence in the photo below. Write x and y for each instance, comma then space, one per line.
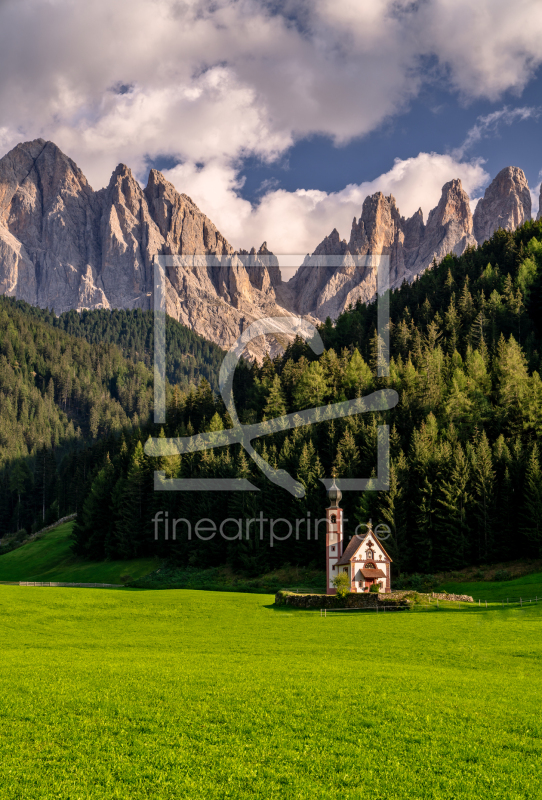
80, 585
521, 601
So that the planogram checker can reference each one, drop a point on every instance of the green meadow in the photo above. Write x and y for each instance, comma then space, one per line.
49, 558
187, 694
527, 587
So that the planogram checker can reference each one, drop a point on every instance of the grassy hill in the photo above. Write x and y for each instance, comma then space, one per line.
183, 694
49, 558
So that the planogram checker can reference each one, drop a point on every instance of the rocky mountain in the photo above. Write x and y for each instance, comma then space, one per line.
64, 245
412, 246
505, 204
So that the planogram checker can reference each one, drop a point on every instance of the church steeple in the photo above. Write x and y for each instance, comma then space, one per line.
335, 495
334, 535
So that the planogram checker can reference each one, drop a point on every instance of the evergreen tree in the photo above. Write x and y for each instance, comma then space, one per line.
531, 520
483, 500
275, 405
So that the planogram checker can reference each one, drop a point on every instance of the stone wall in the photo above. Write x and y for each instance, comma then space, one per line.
368, 600
397, 600
459, 598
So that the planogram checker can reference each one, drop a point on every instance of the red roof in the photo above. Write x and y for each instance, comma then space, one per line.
350, 551
372, 573
353, 546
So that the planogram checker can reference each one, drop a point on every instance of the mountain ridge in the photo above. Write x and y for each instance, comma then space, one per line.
66, 246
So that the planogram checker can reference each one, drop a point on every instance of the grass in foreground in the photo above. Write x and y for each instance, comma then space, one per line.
181, 694
49, 558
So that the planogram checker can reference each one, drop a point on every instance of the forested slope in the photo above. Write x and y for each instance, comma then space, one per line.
57, 392
466, 483
189, 356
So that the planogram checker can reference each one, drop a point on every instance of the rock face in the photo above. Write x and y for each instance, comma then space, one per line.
410, 245
448, 229
505, 204
65, 246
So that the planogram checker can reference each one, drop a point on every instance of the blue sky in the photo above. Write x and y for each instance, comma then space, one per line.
437, 122
278, 117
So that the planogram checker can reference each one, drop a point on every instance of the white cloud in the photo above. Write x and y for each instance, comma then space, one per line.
489, 124
535, 198
212, 81
222, 78
295, 222
487, 47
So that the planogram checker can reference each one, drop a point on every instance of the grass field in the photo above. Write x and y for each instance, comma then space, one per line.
49, 559
184, 694
528, 586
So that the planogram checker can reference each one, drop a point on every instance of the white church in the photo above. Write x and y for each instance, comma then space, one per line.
364, 559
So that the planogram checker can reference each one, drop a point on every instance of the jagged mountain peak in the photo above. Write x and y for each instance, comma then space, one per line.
454, 204
63, 245
506, 204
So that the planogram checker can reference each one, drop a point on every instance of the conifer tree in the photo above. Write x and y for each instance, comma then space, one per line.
275, 405
531, 519
96, 520
483, 498
311, 388
134, 527
454, 502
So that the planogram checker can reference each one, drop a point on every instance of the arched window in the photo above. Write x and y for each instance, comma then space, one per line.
369, 566
369, 554
333, 519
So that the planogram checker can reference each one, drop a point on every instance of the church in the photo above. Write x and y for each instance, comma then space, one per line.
364, 558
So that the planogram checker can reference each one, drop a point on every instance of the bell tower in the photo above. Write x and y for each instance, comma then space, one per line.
334, 536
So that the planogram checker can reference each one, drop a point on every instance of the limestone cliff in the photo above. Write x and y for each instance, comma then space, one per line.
64, 245
410, 245
506, 204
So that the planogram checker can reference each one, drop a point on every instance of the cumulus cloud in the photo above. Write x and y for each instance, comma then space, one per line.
209, 82
295, 222
535, 198
487, 47
224, 78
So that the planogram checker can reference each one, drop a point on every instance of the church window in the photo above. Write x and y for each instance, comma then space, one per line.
345, 569
333, 549
333, 519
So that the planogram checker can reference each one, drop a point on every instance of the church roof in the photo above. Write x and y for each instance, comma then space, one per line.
353, 546
372, 573
351, 549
